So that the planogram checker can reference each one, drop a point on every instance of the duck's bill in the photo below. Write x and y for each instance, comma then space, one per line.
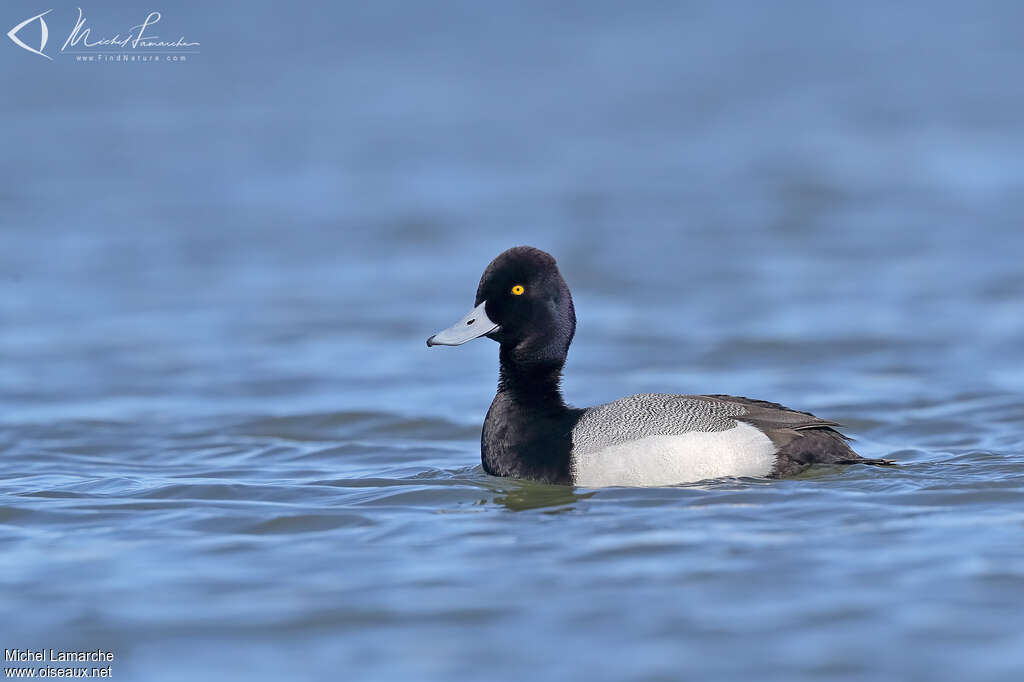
474, 325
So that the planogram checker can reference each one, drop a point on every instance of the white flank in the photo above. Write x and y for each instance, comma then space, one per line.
683, 458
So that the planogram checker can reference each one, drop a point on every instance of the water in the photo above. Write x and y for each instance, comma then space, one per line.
228, 454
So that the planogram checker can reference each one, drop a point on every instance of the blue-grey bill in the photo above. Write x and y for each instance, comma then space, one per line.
474, 325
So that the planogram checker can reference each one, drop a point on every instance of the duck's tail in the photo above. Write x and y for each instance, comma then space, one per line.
879, 462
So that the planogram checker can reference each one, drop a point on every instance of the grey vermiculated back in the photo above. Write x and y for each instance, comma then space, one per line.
651, 414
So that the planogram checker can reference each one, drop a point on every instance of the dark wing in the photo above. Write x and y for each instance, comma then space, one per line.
778, 422
802, 438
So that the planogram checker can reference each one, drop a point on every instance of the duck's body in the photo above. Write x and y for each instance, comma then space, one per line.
655, 439
646, 439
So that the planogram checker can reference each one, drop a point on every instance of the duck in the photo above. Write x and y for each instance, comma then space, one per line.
649, 439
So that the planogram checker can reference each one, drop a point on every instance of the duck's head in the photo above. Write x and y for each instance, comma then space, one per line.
523, 303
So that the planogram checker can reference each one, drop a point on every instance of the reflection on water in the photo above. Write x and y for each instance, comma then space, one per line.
526, 495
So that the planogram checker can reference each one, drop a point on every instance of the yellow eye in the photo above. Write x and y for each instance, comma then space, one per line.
518, 290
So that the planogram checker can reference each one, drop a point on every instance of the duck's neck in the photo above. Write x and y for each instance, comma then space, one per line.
527, 430
534, 385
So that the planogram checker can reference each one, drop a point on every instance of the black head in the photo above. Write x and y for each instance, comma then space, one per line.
523, 303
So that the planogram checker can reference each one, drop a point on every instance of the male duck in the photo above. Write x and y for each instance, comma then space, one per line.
650, 439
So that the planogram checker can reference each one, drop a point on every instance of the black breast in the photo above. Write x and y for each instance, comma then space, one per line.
524, 442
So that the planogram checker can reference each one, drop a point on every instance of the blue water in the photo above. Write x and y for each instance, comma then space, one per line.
228, 454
